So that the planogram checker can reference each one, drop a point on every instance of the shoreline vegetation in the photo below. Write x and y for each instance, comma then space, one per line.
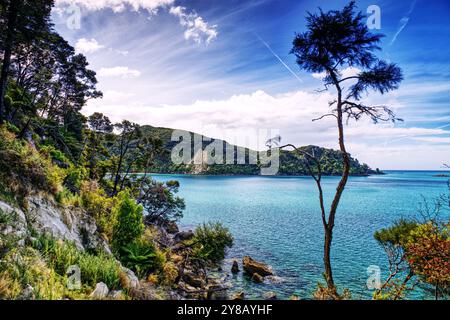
290, 163
76, 224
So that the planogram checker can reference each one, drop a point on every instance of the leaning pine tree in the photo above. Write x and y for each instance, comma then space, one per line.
334, 41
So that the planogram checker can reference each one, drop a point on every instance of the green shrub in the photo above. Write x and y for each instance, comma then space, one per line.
22, 167
95, 201
129, 226
211, 241
54, 153
142, 257
74, 178
65, 197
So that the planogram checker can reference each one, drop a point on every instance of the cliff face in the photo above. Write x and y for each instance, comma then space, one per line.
44, 216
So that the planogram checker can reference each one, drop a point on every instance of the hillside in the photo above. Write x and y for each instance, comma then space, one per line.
290, 164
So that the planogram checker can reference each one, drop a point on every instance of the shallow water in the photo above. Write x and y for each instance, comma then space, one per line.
277, 220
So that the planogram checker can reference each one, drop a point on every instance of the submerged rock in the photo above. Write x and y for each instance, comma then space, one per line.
270, 295
235, 267
251, 267
239, 295
256, 277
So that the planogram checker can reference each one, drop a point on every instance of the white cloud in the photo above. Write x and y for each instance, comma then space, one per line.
197, 29
385, 146
118, 5
122, 72
403, 22
84, 46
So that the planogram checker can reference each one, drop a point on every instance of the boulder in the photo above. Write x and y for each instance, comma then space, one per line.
171, 227
256, 277
239, 295
251, 267
270, 295
27, 293
217, 291
184, 236
193, 279
129, 279
101, 291
116, 295
235, 267
145, 291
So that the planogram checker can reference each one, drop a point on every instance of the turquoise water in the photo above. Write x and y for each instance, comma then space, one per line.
277, 220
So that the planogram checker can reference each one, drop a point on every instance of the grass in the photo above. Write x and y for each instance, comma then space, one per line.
60, 255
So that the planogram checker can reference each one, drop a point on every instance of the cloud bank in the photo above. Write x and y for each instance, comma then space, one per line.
239, 117
196, 28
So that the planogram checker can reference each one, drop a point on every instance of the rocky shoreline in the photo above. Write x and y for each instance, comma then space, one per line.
189, 278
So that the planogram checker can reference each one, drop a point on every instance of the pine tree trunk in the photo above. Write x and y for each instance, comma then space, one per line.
12, 17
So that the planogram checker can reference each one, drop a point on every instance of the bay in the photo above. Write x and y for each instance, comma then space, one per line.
277, 220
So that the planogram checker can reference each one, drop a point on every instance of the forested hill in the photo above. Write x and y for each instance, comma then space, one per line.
290, 163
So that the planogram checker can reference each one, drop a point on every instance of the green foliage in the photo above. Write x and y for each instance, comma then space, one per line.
22, 167
159, 200
210, 242
142, 257
22, 267
129, 226
290, 163
54, 153
99, 205
75, 176
397, 234
59, 255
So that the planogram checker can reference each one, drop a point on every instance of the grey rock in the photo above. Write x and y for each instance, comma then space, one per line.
132, 281
184, 235
193, 279
16, 222
116, 294
100, 292
27, 293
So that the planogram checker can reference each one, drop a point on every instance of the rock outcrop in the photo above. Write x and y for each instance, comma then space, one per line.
251, 267
235, 267
47, 217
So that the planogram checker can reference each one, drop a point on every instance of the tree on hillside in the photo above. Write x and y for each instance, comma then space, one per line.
124, 152
336, 40
95, 152
23, 22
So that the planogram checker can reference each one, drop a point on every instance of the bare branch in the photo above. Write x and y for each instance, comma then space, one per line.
324, 116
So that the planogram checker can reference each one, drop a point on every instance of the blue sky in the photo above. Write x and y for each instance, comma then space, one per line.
223, 68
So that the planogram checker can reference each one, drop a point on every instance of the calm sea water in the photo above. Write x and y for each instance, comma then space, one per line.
277, 220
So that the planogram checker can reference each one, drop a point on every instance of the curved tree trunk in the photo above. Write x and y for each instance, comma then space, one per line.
329, 226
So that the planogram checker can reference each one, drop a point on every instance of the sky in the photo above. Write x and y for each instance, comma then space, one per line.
224, 69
